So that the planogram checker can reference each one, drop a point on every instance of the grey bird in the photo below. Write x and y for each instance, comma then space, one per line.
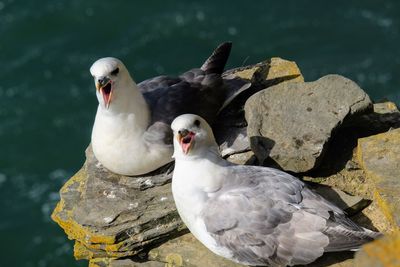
131, 133
249, 214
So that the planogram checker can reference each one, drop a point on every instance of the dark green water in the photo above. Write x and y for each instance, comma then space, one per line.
47, 102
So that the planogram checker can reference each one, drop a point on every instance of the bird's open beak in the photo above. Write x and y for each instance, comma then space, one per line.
186, 139
104, 85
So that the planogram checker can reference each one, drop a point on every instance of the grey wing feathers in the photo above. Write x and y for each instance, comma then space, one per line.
217, 61
265, 216
159, 133
198, 91
342, 232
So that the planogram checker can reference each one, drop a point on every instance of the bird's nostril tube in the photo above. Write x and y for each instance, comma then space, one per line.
102, 81
183, 132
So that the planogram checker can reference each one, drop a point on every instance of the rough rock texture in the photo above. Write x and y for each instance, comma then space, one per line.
116, 216
230, 129
380, 253
379, 156
292, 122
187, 251
385, 116
343, 169
111, 262
269, 71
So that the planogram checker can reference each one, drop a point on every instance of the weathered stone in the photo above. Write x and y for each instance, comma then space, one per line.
186, 251
350, 180
385, 108
379, 156
275, 68
116, 216
109, 262
385, 116
380, 253
291, 123
246, 158
230, 127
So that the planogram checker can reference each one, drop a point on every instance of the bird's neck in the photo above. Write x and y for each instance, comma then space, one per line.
204, 170
129, 105
210, 152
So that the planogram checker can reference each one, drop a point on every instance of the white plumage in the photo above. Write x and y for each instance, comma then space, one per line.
118, 136
131, 133
252, 215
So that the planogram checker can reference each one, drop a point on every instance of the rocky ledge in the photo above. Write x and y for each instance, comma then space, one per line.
327, 132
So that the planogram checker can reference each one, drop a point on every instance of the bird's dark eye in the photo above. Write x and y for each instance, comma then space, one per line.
115, 72
197, 123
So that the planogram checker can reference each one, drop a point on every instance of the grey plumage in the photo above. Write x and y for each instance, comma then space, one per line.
199, 91
265, 216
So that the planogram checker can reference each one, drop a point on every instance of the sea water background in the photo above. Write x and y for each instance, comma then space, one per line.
47, 102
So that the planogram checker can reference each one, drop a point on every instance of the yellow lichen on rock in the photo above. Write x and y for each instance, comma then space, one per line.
63, 216
187, 251
385, 107
383, 252
81, 252
379, 156
284, 68
275, 68
173, 260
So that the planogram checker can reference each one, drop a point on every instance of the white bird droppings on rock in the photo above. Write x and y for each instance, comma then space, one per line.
108, 219
133, 205
109, 194
148, 182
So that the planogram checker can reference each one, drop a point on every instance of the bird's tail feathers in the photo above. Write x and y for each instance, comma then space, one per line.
216, 62
342, 238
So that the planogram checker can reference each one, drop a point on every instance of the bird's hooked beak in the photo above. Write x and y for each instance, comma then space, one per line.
104, 86
185, 139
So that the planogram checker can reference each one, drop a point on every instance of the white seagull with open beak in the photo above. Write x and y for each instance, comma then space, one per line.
249, 214
131, 133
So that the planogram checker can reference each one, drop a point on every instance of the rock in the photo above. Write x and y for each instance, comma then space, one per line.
230, 127
380, 253
384, 117
186, 251
109, 215
245, 158
275, 68
292, 123
379, 156
385, 108
110, 262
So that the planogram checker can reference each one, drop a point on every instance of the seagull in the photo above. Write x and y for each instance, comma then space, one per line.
131, 134
250, 214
